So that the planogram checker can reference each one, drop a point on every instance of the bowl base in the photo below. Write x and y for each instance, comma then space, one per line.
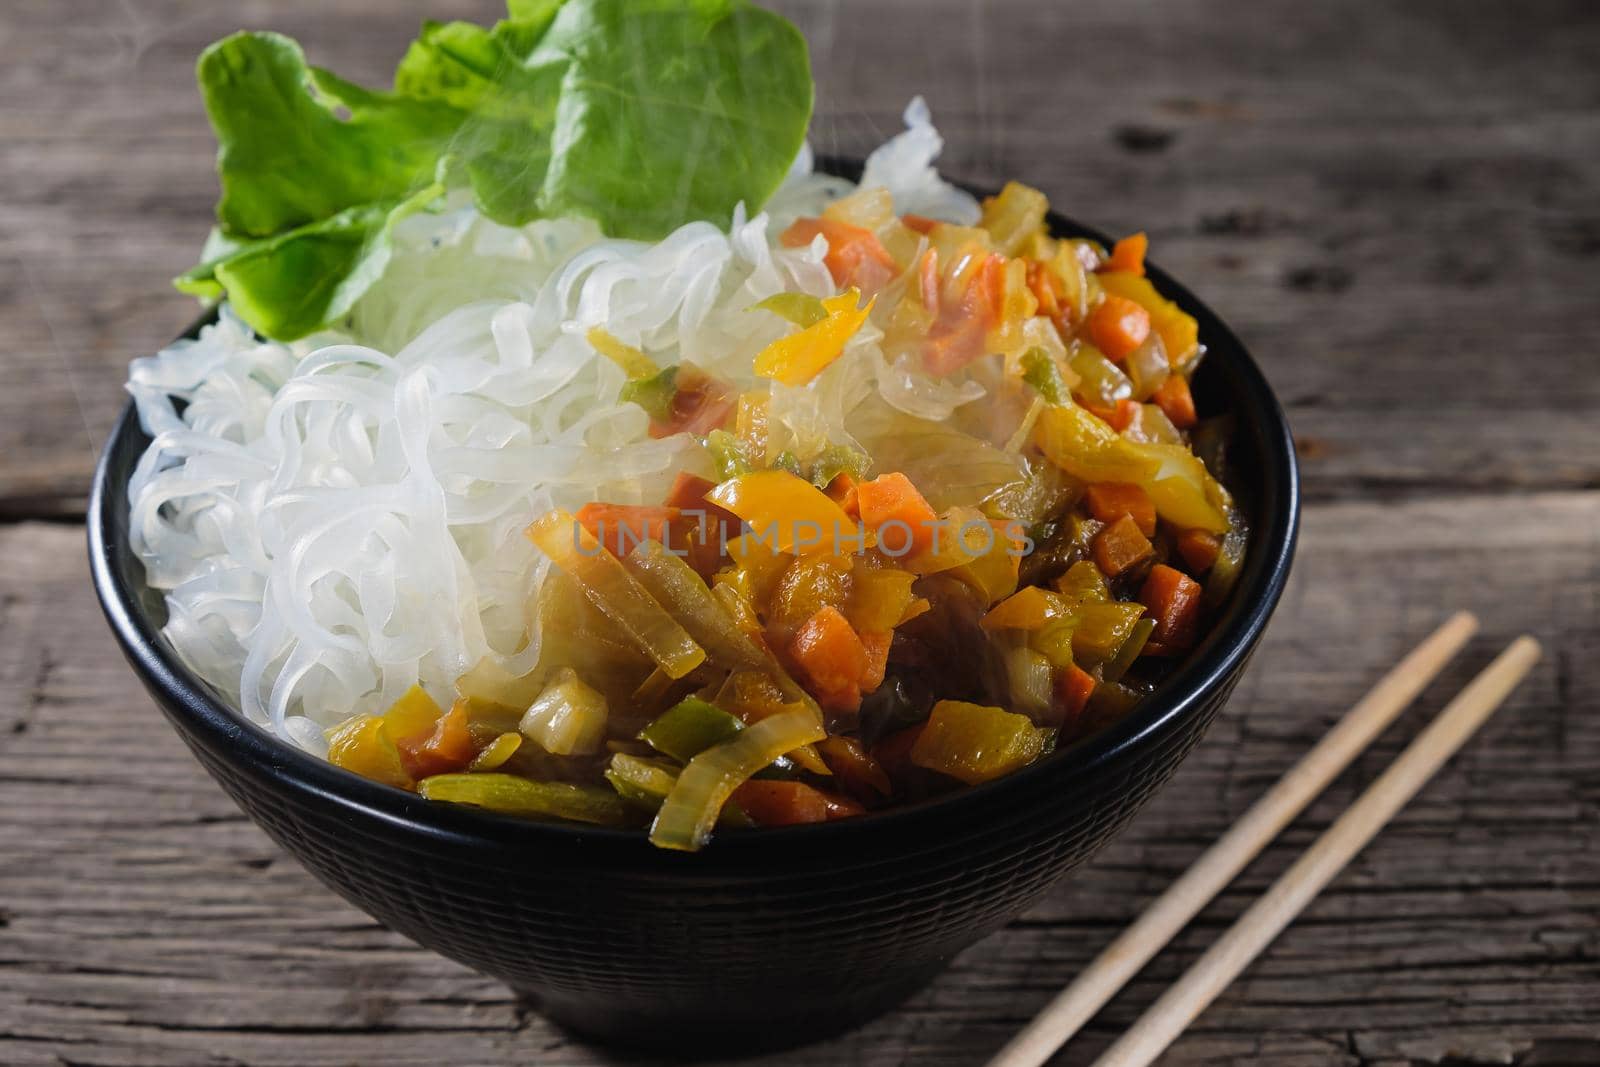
746, 1025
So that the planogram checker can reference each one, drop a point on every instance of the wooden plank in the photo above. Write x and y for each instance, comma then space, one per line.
146, 922
1393, 204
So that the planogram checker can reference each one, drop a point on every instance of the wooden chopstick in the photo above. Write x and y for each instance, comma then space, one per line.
1177, 1008
1223, 861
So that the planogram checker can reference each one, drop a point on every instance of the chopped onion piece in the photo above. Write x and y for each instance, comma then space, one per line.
568, 718
691, 809
614, 591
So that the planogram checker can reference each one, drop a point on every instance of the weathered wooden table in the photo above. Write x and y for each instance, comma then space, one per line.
1396, 205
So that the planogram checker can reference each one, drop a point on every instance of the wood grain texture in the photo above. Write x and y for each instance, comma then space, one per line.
1394, 205
1396, 208
147, 922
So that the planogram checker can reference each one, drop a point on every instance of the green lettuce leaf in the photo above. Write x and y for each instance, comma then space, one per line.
286, 157
640, 114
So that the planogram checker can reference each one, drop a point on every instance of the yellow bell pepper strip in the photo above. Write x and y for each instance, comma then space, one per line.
414, 714
756, 567
879, 598
450, 746
1179, 332
802, 309
994, 571
616, 593
1114, 668
510, 795
786, 511
1085, 447
800, 357
1026, 609
363, 745
975, 743
1054, 641
1102, 628
704, 786
634, 363
496, 753
1083, 584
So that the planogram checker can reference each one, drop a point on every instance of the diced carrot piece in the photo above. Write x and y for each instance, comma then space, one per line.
994, 286
703, 527
1121, 546
1174, 602
1119, 418
842, 491
877, 645
1199, 549
621, 527
892, 498
1127, 255
928, 280
921, 223
1046, 289
854, 769
780, 803
1074, 687
1173, 397
950, 346
831, 656
1118, 326
447, 749
1109, 500
959, 334
855, 255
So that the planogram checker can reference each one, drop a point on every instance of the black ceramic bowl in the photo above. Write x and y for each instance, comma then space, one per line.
766, 937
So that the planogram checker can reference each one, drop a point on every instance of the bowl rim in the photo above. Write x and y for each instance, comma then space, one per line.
889, 833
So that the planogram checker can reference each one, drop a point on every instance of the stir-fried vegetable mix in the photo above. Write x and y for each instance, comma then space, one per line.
807, 637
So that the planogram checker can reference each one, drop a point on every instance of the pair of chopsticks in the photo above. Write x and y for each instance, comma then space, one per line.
1161, 1024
